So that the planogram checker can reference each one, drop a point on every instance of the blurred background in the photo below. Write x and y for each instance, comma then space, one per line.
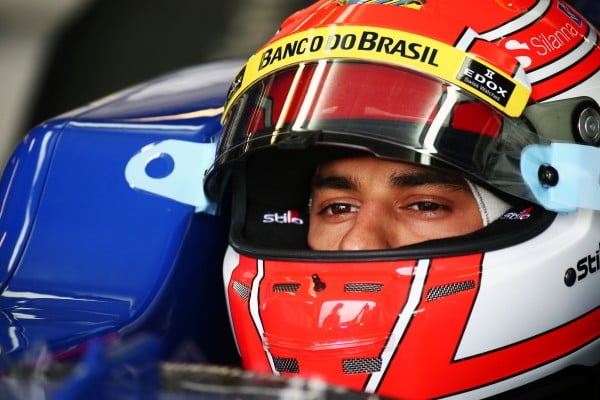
56, 55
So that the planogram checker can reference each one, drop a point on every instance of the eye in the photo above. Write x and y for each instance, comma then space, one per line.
338, 208
427, 206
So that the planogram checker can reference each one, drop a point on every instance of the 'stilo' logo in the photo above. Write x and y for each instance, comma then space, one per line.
586, 266
512, 216
290, 217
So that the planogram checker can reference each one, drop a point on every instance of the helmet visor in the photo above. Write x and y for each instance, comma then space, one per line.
391, 112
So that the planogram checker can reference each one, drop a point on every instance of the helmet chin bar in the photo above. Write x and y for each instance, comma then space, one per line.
563, 176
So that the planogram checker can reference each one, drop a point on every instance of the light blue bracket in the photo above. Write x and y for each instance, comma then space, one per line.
173, 169
578, 169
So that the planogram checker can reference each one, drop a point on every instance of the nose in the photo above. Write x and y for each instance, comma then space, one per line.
371, 230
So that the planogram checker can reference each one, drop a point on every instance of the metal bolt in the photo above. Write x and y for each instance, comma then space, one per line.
548, 175
588, 125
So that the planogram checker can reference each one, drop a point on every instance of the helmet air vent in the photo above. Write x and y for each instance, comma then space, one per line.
286, 287
361, 365
439, 292
289, 365
363, 287
242, 290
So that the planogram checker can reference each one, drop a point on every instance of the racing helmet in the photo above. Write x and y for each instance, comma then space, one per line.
504, 93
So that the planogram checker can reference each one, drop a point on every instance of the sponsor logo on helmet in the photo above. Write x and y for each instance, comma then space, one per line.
546, 43
564, 8
518, 216
289, 217
375, 44
486, 81
513, 45
584, 268
542, 44
367, 41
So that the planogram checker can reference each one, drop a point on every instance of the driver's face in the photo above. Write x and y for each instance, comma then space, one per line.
368, 204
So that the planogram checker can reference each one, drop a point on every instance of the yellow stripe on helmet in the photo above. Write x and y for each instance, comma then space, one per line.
393, 47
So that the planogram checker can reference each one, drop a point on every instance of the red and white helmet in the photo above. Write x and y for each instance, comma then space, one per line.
504, 91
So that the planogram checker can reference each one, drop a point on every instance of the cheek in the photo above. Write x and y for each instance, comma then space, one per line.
465, 216
322, 236
316, 235
463, 221
471, 216
415, 232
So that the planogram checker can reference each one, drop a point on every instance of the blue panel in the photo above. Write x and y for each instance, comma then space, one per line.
20, 189
84, 254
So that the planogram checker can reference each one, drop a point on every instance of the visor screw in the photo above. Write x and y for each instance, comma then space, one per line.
570, 277
588, 125
319, 284
548, 175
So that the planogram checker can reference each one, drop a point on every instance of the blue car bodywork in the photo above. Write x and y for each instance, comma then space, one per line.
94, 239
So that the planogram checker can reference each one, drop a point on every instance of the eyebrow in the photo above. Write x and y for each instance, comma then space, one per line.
426, 178
409, 179
333, 182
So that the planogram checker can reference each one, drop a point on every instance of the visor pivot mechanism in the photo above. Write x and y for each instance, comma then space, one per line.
588, 125
548, 175
319, 284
